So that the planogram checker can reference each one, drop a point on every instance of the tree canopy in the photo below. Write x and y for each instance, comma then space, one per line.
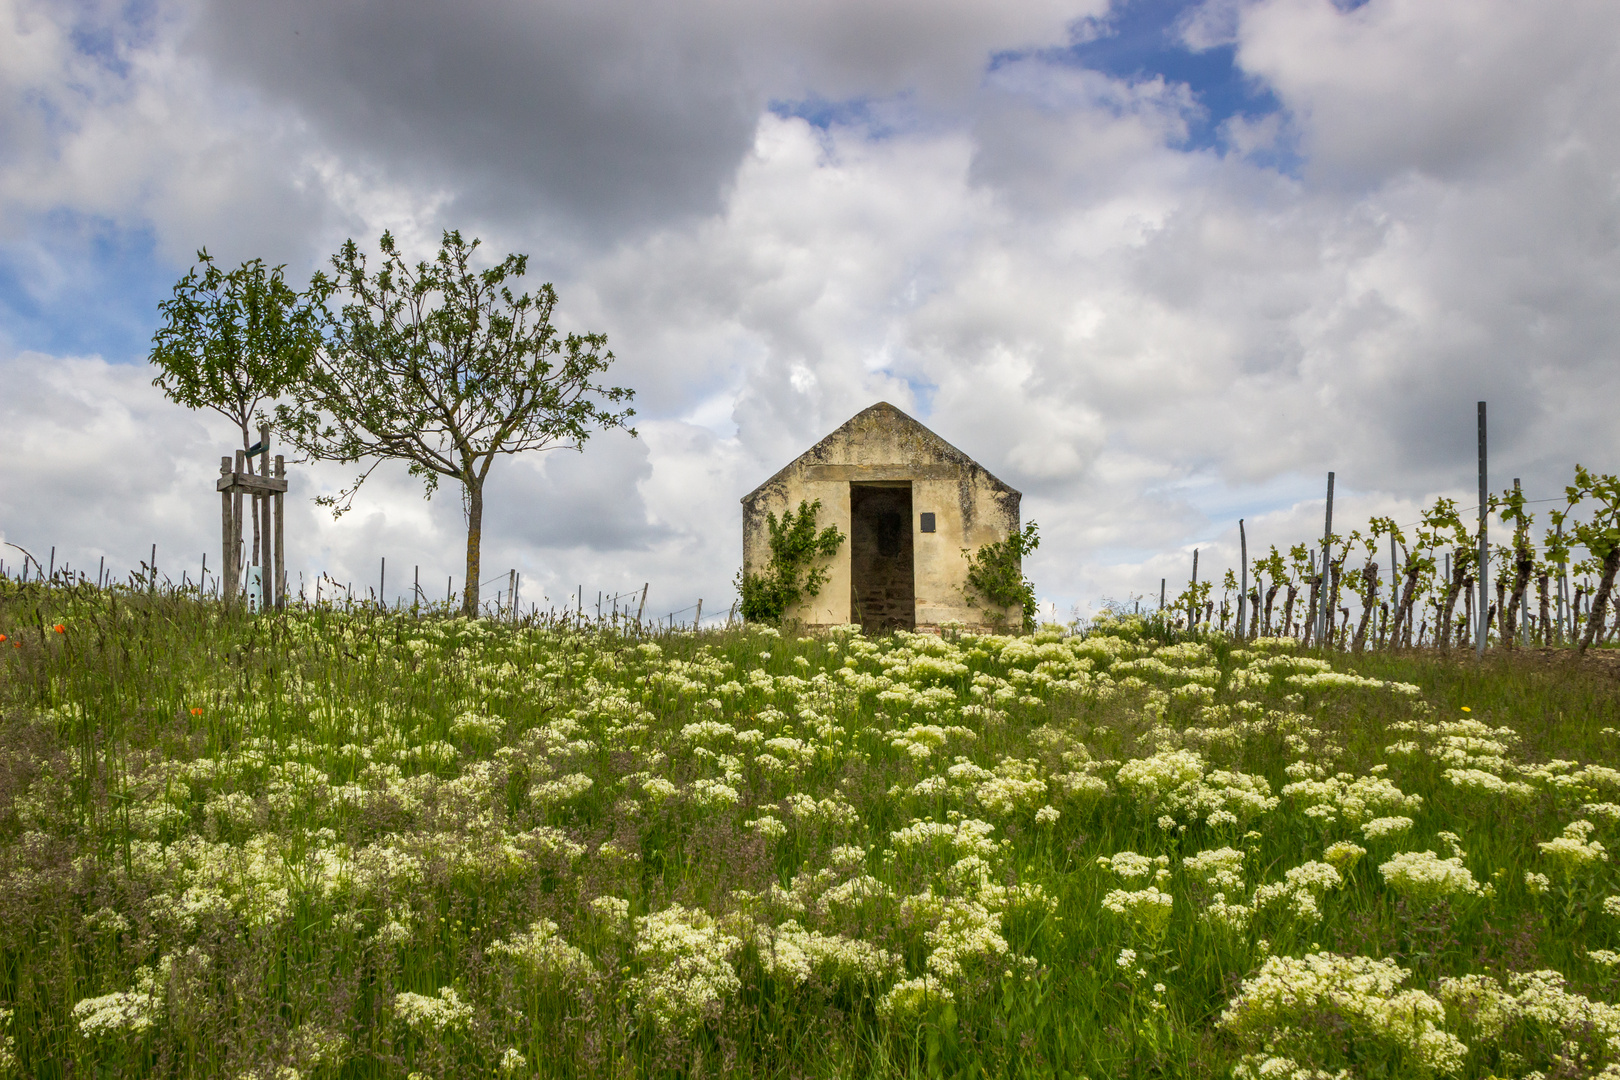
232, 340
444, 367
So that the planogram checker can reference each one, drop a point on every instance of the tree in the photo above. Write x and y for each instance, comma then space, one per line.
443, 367
1601, 537
1523, 562
231, 341
1274, 569
1364, 582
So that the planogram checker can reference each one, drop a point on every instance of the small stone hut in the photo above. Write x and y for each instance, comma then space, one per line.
908, 503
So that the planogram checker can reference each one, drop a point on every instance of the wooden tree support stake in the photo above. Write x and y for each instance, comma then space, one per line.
267, 493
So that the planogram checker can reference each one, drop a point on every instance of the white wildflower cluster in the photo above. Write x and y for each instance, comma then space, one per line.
965, 837
794, 954
1133, 867
685, 967
711, 794
964, 931
1424, 877
911, 999
433, 1015
1343, 854
549, 792
1175, 782
1384, 827
768, 827
833, 813
547, 955
1300, 892
1533, 1006
1220, 870
1353, 799
1574, 852
921, 740
1294, 1015
123, 1012
1146, 910
475, 725
1014, 786
1342, 680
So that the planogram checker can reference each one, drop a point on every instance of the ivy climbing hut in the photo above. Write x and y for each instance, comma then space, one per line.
259, 493
911, 505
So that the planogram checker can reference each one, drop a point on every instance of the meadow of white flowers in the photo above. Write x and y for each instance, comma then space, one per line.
337, 844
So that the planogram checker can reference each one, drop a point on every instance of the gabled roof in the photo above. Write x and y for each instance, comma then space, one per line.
922, 446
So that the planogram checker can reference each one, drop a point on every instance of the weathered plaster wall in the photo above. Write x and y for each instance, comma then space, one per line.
883, 444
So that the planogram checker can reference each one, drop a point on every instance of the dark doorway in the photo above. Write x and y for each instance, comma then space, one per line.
882, 589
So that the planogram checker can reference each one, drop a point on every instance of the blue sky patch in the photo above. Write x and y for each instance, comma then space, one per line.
1141, 40
81, 285
873, 117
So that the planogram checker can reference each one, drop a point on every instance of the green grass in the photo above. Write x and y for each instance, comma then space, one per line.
230, 844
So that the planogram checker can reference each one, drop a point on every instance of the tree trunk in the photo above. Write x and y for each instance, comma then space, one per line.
1312, 610
1288, 610
1333, 606
1369, 597
1271, 600
1405, 594
1600, 599
1468, 611
475, 536
1544, 619
253, 506
1495, 616
1522, 565
1448, 611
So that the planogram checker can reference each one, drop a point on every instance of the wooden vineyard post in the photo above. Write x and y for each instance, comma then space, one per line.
281, 551
235, 554
1192, 597
1325, 616
265, 494
1482, 627
226, 520
262, 505
1243, 585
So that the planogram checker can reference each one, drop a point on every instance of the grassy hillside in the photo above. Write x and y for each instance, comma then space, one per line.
354, 844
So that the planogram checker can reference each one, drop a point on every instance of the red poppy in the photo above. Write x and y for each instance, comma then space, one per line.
2, 639
59, 628
196, 712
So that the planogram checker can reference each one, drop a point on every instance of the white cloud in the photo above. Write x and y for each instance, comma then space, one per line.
1149, 340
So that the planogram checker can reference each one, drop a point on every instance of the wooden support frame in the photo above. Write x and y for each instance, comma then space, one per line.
266, 493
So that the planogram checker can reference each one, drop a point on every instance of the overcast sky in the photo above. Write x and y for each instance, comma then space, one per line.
1158, 265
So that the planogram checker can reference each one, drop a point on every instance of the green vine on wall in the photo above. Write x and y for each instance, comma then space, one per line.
996, 575
791, 574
